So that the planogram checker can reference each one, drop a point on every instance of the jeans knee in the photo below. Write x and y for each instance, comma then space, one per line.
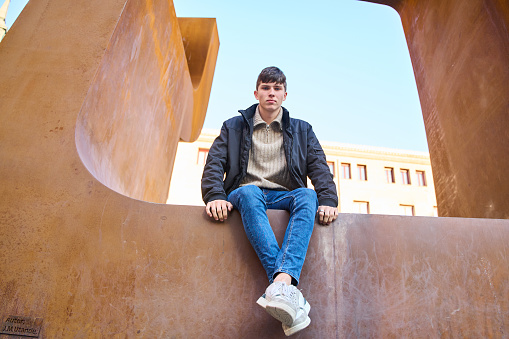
246, 195
306, 193
249, 191
306, 196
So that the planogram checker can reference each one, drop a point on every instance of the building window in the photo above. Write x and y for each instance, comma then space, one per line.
332, 168
202, 156
363, 175
407, 210
405, 176
389, 175
361, 207
421, 178
345, 171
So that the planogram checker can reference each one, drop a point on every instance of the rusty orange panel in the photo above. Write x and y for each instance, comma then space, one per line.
460, 56
201, 45
150, 91
91, 262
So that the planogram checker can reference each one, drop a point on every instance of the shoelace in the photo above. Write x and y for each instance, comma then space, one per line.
279, 290
291, 292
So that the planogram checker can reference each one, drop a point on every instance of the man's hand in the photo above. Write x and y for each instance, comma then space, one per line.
218, 209
327, 214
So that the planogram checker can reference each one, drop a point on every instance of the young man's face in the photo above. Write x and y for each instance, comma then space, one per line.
270, 96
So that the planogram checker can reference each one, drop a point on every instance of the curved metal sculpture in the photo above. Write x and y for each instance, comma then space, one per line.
150, 91
460, 56
93, 91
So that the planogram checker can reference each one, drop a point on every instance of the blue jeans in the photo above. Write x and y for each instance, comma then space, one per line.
302, 203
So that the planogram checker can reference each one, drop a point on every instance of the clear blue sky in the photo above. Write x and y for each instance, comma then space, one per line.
346, 61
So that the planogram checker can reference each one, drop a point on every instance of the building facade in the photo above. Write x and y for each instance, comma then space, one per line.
3, 15
369, 179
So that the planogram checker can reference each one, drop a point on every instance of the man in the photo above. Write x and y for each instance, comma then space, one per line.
261, 161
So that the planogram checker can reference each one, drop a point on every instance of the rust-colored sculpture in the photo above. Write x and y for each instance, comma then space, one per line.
150, 91
460, 56
97, 96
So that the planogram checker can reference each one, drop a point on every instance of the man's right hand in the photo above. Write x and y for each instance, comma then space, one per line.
218, 209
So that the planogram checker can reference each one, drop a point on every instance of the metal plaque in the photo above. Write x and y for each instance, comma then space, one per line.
15, 325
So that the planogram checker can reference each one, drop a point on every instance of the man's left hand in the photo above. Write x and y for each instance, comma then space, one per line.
327, 214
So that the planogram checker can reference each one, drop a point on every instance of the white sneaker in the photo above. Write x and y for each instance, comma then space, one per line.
303, 320
280, 301
302, 317
298, 325
262, 301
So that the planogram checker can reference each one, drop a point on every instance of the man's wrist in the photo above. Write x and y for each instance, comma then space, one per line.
216, 197
328, 202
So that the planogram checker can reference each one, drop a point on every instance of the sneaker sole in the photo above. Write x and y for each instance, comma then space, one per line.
262, 301
282, 312
292, 330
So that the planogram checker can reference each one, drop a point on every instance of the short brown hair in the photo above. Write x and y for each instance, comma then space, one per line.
271, 74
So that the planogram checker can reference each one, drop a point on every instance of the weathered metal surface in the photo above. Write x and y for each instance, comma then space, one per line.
168, 271
423, 277
151, 90
460, 55
95, 263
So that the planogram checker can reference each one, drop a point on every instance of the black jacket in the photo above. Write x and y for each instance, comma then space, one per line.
229, 154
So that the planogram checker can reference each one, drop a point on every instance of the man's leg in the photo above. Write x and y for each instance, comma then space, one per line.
250, 201
302, 204
283, 302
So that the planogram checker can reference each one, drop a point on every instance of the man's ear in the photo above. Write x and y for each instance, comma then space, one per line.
284, 98
256, 94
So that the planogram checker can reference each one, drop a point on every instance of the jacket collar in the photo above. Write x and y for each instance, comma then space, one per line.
249, 113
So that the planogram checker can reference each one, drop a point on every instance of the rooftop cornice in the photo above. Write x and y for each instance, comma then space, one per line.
341, 148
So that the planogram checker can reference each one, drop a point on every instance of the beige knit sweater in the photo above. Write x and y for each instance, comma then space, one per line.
267, 166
